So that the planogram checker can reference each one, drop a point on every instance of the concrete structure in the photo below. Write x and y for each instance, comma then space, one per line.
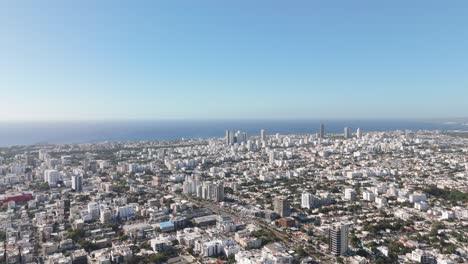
77, 183
281, 206
338, 239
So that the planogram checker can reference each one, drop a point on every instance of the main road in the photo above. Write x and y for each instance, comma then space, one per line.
310, 249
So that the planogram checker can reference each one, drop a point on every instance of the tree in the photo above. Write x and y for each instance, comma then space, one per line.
157, 258
88, 246
354, 240
76, 234
145, 245
44, 186
435, 228
450, 249
266, 236
453, 196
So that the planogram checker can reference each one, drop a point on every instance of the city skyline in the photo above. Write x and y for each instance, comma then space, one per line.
248, 132
243, 60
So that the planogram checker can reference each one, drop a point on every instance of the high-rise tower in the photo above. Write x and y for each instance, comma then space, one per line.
77, 183
338, 239
262, 135
347, 132
282, 207
322, 131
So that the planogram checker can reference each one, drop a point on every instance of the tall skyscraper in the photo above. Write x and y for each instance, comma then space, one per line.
262, 135
347, 132
281, 206
229, 137
243, 138
305, 200
228, 134
218, 192
77, 183
359, 133
322, 131
338, 239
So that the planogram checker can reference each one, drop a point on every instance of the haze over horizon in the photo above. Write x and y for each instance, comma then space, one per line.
92, 60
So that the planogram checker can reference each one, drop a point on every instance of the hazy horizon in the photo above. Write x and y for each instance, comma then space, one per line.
69, 132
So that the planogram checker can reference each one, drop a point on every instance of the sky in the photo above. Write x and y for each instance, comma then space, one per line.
142, 60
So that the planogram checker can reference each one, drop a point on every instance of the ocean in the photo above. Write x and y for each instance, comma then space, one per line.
28, 133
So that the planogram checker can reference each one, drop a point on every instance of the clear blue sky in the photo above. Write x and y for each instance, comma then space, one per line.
88, 59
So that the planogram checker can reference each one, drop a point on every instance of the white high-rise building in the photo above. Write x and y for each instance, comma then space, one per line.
77, 183
271, 157
359, 133
338, 239
306, 200
93, 209
310, 201
381, 201
262, 135
417, 197
368, 196
350, 194
43, 154
125, 211
105, 215
51, 177
240, 137
205, 191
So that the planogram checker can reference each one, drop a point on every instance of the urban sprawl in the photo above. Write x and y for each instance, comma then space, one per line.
355, 197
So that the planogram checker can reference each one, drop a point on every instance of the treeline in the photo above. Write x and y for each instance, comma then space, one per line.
448, 195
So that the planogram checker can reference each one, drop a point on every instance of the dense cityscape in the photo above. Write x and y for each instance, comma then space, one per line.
355, 197
233, 132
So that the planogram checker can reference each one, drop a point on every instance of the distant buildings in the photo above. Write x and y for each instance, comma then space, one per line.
359, 133
271, 157
347, 132
262, 135
322, 131
205, 190
239, 137
229, 137
168, 194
